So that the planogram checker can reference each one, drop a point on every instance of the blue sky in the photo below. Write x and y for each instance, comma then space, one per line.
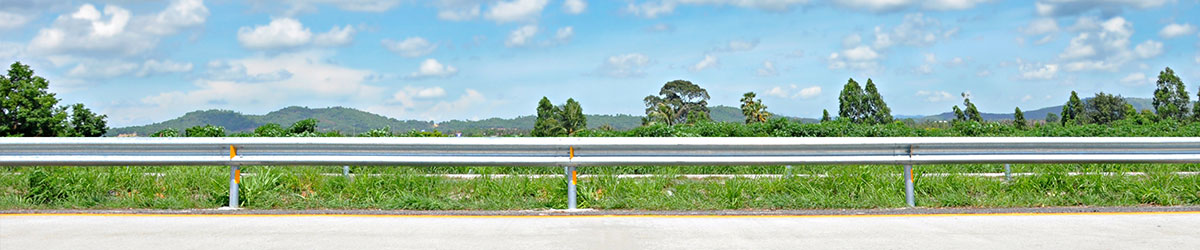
147, 61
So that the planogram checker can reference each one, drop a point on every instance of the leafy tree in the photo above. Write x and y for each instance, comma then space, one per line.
379, 132
206, 131
877, 111
850, 102
825, 115
1019, 119
1051, 118
168, 132
676, 102
26, 108
698, 117
1073, 110
1105, 108
270, 130
959, 115
754, 110
84, 123
971, 114
1196, 108
547, 123
1170, 98
303, 127
572, 118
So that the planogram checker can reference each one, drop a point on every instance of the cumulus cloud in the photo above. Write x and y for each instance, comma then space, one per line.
10, 20
459, 14
738, 46
431, 68
574, 6
1104, 46
809, 92
1075, 7
152, 67
409, 95
521, 36
1037, 71
115, 30
1148, 49
915, 30
337, 36
516, 10
1176, 30
709, 61
768, 69
410, 47
652, 9
793, 91
1135, 79
934, 96
894, 5
564, 34
630, 65
860, 58
280, 33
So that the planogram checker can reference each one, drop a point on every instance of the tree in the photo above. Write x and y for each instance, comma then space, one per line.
676, 102
206, 131
26, 108
270, 130
547, 123
877, 111
303, 127
168, 132
84, 123
754, 110
1196, 108
1073, 110
1105, 108
1019, 119
1170, 98
825, 115
971, 113
1051, 118
958, 114
850, 102
572, 118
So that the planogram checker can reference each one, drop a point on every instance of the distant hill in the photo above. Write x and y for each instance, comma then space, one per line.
352, 121
1037, 114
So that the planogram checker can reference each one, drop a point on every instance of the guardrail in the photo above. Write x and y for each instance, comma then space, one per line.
570, 153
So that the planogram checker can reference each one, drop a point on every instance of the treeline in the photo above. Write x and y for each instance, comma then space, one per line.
28, 110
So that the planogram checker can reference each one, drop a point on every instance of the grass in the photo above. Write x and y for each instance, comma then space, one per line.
405, 188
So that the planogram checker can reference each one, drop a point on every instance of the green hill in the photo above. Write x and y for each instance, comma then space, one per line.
1038, 114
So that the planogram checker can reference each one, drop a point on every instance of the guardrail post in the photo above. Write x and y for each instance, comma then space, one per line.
908, 185
1007, 173
572, 177
346, 172
787, 171
235, 177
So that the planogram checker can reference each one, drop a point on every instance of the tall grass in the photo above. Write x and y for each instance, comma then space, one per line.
407, 188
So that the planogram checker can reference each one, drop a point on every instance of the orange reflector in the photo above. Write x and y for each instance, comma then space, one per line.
237, 175
572, 153
232, 152
574, 178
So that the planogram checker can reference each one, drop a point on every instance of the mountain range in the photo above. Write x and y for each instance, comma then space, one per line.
352, 121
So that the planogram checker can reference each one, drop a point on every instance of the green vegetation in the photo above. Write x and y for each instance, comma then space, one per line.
1171, 97
678, 102
29, 110
754, 110
558, 120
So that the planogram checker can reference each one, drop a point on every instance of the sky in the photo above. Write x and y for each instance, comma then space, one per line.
141, 61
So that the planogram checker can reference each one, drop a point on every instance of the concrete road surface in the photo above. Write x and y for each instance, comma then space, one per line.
1144, 230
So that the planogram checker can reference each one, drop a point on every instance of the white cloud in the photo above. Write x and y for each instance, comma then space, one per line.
652, 9
851, 40
178, 15
915, 30
521, 36
662, 27
630, 65
280, 33
574, 6
152, 67
465, 103
935, 96
1135, 79
740, 45
102, 69
564, 34
809, 92
893, 5
768, 69
860, 58
432, 68
410, 47
1148, 49
337, 36
1037, 71
356, 5
1026, 98
1041, 26
459, 14
1103, 45
709, 61
1175, 30
9, 20
407, 96
516, 10
1075, 7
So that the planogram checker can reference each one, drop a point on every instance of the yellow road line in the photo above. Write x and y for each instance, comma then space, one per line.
599, 216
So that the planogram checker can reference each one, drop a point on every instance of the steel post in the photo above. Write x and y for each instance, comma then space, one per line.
1007, 173
787, 172
908, 185
235, 177
572, 178
346, 172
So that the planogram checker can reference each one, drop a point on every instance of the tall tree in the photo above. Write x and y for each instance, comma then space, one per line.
28, 109
680, 99
754, 110
84, 123
850, 102
572, 117
1105, 108
825, 115
971, 113
1171, 97
1019, 119
1196, 108
1051, 118
877, 111
1073, 110
958, 114
548, 120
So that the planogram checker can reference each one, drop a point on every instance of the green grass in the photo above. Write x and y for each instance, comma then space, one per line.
404, 188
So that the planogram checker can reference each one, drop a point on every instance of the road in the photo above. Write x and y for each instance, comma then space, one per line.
1114, 230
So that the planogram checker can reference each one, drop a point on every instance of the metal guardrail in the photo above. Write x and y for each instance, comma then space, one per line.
573, 152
